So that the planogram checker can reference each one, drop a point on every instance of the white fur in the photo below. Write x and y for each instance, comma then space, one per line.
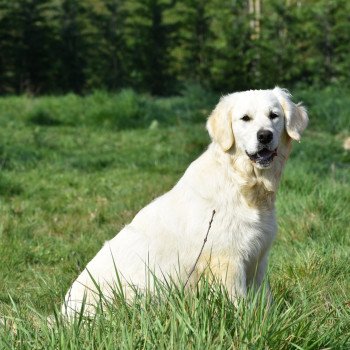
167, 234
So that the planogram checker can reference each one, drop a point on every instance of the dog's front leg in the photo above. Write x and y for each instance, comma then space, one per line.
236, 284
259, 278
227, 271
231, 273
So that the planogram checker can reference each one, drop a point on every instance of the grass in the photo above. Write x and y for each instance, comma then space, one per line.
74, 170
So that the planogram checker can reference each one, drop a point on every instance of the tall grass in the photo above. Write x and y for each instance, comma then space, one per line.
203, 318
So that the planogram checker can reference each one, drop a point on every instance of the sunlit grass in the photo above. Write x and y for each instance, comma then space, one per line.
173, 317
73, 172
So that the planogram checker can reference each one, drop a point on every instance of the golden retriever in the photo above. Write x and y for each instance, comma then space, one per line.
237, 176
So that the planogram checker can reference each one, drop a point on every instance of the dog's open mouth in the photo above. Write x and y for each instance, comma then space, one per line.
264, 157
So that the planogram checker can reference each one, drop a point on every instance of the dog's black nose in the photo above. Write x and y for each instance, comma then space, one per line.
264, 136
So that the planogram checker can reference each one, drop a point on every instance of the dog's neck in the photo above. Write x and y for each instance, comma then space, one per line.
258, 187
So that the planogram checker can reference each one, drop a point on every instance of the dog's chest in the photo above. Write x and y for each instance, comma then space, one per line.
240, 229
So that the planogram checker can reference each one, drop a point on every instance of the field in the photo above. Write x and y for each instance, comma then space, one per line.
74, 170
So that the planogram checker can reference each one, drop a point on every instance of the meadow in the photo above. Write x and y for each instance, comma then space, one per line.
74, 170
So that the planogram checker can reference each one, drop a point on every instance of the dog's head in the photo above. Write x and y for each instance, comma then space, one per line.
255, 122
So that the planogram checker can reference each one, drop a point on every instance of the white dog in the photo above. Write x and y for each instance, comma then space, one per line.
237, 176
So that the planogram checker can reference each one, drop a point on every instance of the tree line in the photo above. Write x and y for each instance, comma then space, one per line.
59, 46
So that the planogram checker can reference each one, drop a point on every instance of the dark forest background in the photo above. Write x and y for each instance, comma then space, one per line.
158, 46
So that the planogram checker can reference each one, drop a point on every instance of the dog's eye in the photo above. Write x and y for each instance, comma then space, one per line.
273, 115
246, 118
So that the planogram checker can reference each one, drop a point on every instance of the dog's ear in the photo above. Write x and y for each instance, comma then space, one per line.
295, 114
219, 125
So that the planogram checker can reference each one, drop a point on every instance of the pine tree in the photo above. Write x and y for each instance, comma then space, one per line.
74, 45
231, 48
108, 63
190, 24
147, 41
27, 40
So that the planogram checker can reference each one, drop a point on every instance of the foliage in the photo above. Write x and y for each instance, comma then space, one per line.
158, 46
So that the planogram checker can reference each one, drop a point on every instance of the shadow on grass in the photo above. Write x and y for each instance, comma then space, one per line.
8, 187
